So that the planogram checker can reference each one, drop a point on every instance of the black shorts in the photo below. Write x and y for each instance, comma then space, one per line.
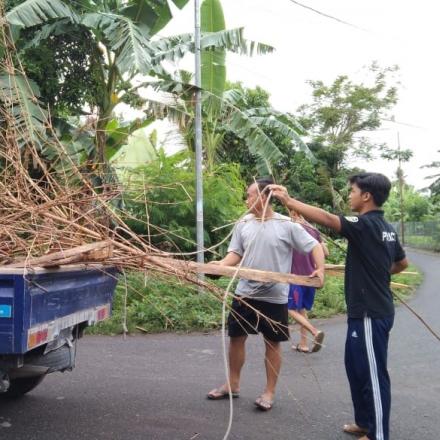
243, 320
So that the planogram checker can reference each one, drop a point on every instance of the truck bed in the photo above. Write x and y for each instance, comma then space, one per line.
36, 304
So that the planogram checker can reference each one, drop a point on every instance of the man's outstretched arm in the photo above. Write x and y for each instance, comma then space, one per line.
318, 257
231, 259
316, 215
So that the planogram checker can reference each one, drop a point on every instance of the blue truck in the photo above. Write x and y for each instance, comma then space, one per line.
43, 313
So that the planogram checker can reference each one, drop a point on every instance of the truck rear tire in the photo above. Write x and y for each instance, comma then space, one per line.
22, 385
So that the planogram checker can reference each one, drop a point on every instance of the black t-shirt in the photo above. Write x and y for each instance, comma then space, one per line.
373, 246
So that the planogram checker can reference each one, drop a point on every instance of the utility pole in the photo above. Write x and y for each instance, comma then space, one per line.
401, 204
198, 138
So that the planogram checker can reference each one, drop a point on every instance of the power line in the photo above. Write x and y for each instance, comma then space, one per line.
406, 124
328, 16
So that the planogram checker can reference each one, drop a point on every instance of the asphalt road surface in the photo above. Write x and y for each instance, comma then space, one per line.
154, 387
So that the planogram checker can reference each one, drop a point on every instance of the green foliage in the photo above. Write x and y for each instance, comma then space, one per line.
416, 205
19, 97
435, 185
34, 12
336, 119
337, 250
162, 194
157, 304
153, 14
213, 61
423, 235
271, 146
342, 109
66, 66
108, 43
330, 300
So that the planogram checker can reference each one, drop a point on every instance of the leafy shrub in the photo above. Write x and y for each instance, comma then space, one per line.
162, 194
157, 304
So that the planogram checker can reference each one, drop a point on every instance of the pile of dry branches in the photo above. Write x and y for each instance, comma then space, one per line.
51, 213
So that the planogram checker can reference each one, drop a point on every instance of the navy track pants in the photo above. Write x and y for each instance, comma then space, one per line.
366, 351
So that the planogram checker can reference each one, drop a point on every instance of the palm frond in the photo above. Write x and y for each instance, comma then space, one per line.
272, 123
242, 123
269, 111
172, 48
125, 38
234, 41
153, 15
175, 47
56, 28
21, 111
33, 12
233, 97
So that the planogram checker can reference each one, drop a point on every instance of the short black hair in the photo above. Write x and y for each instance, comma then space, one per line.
376, 184
263, 183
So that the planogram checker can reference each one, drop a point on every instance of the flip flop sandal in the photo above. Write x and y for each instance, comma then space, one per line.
220, 393
317, 342
298, 348
263, 404
352, 428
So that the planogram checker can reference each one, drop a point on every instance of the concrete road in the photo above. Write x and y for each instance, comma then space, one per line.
154, 387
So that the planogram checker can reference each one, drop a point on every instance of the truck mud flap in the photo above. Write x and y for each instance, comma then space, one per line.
61, 359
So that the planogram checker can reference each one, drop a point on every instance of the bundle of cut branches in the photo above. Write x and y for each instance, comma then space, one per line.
51, 213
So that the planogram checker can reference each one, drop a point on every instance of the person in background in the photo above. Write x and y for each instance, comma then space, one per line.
301, 298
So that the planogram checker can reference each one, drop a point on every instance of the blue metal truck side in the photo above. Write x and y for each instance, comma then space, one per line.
42, 314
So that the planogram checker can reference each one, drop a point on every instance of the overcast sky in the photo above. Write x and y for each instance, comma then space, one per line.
310, 46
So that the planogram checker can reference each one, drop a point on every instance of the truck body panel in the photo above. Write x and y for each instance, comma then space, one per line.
35, 305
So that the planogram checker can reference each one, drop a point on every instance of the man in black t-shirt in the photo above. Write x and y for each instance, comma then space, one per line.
374, 253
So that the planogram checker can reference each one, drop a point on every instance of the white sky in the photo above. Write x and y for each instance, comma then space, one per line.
309, 46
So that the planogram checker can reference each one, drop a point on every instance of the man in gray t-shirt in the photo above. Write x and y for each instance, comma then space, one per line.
267, 245
262, 240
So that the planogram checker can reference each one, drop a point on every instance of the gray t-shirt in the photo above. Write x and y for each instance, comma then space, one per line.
268, 246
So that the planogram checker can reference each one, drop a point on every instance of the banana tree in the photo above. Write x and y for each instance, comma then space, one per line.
220, 108
124, 48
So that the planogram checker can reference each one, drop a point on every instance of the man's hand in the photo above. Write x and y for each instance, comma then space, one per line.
399, 266
231, 259
279, 192
309, 212
216, 263
319, 273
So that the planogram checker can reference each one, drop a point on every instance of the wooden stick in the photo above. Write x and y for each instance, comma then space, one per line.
243, 272
333, 268
93, 251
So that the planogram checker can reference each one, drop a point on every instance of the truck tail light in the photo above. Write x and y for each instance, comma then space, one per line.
103, 313
37, 337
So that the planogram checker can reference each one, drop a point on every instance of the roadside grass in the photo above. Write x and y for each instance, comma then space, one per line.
156, 304
427, 242
413, 281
